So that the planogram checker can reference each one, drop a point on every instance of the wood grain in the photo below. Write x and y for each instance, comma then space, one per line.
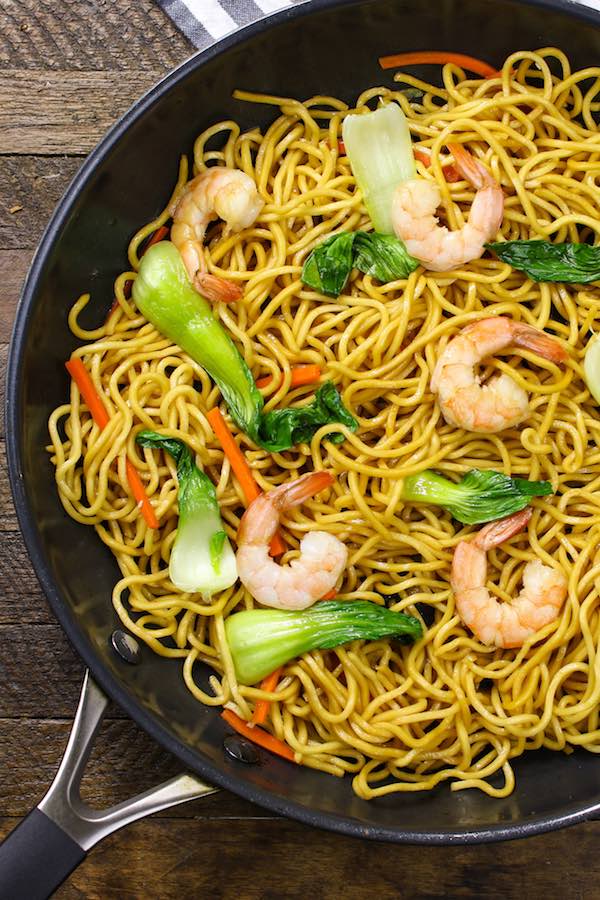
35, 184
100, 35
270, 859
64, 112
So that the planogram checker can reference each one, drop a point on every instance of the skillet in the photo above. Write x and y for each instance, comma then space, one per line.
326, 46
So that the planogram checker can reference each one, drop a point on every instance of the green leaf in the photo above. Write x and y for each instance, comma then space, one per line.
480, 496
328, 267
543, 261
283, 428
383, 256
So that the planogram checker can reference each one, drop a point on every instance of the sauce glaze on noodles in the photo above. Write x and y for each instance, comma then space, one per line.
398, 718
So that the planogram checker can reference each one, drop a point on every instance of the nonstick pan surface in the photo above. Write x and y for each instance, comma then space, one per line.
324, 47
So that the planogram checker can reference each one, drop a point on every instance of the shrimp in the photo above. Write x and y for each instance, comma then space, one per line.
501, 403
437, 248
306, 579
218, 192
504, 625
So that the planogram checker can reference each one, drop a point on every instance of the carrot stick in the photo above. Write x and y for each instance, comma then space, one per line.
300, 375
258, 736
450, 172
262, 706
138, 491
441, 57
241, 469
79, 374
341, 148
159, 235
329, 595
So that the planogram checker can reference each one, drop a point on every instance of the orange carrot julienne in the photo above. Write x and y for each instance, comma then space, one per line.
329, 595
450, 172
80, 376
341, 148
139, 492
241, 469
299, 375
441, 57
159, 235
268, 684
258, 735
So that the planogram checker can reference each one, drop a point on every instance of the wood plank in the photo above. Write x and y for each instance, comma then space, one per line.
79, 34
36, 184
41, 673
266, 859
124, 762
64, 112
13, 268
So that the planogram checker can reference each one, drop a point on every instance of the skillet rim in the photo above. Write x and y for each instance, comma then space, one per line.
13, 411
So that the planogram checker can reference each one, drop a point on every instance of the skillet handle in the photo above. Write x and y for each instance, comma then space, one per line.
57, 835
36, 858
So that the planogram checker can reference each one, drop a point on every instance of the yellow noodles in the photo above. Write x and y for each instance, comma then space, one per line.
446, 708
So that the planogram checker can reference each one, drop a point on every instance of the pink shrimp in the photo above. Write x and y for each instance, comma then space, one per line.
504, 625
437, 248
501, 403
306, 579
218, 192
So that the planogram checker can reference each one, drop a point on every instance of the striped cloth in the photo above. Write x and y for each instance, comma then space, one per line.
207, 21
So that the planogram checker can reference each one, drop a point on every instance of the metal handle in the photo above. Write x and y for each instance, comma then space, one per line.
62, 820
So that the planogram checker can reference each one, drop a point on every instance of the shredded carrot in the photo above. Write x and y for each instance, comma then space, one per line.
78, 373
159, 235
450, 172
262, 706
80, 376
341, 148
441, 57
329, 595
241, 469
138, 491
300, 375
258, 736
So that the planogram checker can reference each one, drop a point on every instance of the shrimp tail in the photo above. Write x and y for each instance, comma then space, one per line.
296, 492
538, 342
502, 529
470, 168
217, 289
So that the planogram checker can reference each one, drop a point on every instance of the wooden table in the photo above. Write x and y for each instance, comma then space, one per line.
68, 69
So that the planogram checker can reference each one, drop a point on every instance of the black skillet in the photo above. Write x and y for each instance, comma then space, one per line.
324, 47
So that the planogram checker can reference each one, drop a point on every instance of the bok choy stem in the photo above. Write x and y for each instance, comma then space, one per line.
202, 560
261, 640
379, 147
480, 496
164, 295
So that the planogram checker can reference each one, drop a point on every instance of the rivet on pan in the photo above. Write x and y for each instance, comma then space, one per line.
126, 646
241, 749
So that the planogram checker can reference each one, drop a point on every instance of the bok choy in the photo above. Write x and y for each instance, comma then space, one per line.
261, 640
164, 295
544, 261
478, 497
379, 147
202, 560
328, 267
